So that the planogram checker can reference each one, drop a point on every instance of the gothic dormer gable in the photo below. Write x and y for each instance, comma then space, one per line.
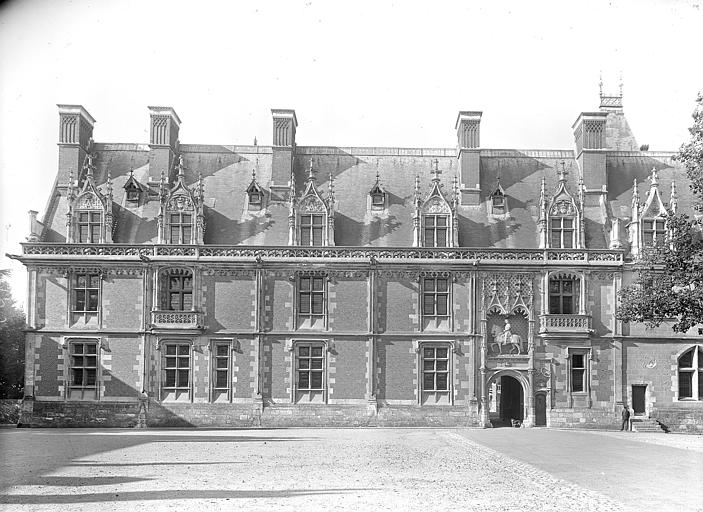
133, 189
561, 223
654, 206
435, 223
498, 202
377, 198
89, 218
181, 217
311, 218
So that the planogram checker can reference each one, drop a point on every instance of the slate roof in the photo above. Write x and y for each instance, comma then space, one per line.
227, 171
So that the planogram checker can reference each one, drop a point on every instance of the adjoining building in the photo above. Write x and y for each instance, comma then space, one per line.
183, 284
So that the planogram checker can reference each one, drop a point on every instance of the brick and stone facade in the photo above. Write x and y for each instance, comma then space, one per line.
285, 285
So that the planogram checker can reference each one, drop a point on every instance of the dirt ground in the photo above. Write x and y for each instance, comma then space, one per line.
337, 469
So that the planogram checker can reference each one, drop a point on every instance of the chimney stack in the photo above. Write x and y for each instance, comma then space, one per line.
284, 126
164, 126
75, 136
589, 135
468, 131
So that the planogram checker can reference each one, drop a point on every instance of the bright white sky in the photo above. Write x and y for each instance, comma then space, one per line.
375, 73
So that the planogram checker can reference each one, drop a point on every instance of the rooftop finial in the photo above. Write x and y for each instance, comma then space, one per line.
311, 172
674, 200
635, 194
88, 166
180, 167
621, 84
654, 178
562, 172
436, 172
330, 191
417, 188
600, 83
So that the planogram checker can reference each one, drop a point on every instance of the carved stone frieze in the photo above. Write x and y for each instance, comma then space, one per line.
89, 201
563, 208
399, 274
507, 293
236, 272
180, 203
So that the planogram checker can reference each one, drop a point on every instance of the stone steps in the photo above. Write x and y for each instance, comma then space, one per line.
646, 425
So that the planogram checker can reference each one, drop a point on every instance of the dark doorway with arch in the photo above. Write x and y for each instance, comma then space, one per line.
511, 401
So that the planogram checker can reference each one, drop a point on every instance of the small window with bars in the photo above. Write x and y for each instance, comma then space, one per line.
435, 297
181, 228
653, 231
435, 230
578, 372
83, 370
562, 233
89, 224
311, 229
177, 368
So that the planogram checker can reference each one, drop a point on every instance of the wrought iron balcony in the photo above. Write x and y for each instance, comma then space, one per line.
177, 319
565, 324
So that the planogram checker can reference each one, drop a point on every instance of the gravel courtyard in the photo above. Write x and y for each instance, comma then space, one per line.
348, 469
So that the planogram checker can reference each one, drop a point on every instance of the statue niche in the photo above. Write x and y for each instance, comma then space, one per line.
507, 334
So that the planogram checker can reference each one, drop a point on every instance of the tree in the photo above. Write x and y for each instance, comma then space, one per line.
11, 342
669, 283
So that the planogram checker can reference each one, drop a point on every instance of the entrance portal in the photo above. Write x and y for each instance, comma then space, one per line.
511, 400
638, 405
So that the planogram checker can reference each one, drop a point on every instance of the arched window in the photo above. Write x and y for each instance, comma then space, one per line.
691, 374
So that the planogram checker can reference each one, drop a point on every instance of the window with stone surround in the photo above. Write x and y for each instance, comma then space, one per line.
221, 370
83, 369
176, 290
435, 367
312, 301
563, 295
435, 230
562, 232
435, 297
310, 366
311, 229
180, 228
690, 374
85, 297
176, 373
88, 227
653, 231
578, 368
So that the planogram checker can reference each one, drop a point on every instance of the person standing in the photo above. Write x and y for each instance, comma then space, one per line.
625, 418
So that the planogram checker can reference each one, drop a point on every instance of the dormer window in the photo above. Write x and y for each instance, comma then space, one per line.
498, 203
255, 194
377, 196
653, 231
133, 195
311, 227
435, 230
181, 228
89, 227
562, 233
435, 222
311, 218
181, 218
132, 189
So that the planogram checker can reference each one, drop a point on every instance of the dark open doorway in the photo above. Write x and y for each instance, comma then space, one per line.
541, 410
511, 400
638, 401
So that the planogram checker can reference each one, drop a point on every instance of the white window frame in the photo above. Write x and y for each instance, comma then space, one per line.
562, 232
309, 394
696, 371
431, 397
178, 391
89, 223
85, 315
585, 353
447, 230
310, 319
180, 226
217, 394
69, 344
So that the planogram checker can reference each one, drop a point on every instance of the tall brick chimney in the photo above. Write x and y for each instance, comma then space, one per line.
468, 132
589, 134
75, 135
284, 125
163, 140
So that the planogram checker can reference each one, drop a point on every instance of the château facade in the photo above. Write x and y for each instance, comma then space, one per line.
243, 286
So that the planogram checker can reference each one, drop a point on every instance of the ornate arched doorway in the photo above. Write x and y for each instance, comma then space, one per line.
507, 400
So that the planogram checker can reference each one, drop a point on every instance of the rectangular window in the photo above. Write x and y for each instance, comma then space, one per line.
311, 298
562, 296
176, 383
89, 227
83, 370
309, 372
86, 297
181, 225
435, 375
653, 231
221, 370
578, 373
562, 233
311, 229
180, 291
498, 203
377, 202
435, 297
435, 228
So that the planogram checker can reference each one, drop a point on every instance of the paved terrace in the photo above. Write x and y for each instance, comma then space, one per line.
348, 469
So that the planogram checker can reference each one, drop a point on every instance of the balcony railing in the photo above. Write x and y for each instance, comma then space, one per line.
146, 252
177, 319
565, 324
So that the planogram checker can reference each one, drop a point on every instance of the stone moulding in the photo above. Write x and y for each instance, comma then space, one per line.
210, 252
